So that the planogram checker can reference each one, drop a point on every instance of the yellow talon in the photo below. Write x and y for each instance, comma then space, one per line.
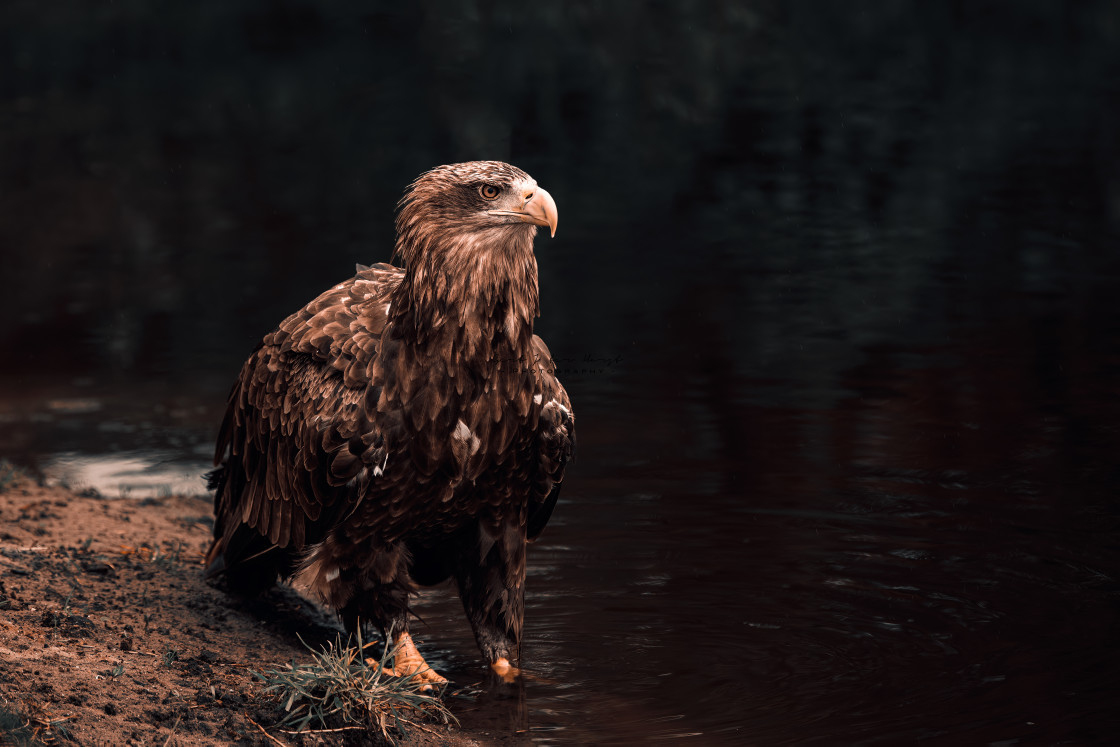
409, 663
505, 671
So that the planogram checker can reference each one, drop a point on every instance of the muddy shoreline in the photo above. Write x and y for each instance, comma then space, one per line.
109, 635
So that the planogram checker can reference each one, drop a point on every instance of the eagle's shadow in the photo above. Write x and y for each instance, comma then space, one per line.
286, 614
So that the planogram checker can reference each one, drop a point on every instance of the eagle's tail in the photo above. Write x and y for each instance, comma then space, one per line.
216, 478
247, 560
215, 560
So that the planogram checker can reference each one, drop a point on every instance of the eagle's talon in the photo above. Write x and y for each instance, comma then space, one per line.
505, 671
427, 678
407, 662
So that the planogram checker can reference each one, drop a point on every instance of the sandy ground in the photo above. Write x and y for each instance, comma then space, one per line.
108, 631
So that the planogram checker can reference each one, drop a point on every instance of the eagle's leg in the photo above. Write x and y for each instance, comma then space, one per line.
493, 594
386, 605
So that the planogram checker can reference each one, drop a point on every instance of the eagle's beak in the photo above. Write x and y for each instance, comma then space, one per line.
539, 209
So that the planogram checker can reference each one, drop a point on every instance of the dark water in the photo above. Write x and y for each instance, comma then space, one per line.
835, 295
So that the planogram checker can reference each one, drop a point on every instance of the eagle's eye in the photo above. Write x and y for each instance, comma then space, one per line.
489, 192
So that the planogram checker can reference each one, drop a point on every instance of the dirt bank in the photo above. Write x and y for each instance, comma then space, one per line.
108, 633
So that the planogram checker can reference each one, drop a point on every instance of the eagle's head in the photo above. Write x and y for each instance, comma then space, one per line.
470, 207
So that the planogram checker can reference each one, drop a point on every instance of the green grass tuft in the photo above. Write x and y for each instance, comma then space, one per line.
339, 688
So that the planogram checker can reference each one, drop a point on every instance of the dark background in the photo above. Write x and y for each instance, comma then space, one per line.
835, 293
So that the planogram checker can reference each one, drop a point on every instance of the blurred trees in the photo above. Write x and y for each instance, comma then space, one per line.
801, 180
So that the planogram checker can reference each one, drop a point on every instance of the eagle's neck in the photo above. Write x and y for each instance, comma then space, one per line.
471, 299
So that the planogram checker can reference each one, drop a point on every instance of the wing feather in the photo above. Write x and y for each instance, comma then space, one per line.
297, 406
556, 438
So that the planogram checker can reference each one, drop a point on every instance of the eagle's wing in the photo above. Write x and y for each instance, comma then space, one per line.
556, 440
295, 433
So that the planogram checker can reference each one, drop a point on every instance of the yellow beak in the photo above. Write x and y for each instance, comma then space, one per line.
539, 209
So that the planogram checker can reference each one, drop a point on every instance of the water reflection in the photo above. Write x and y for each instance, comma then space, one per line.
129, 474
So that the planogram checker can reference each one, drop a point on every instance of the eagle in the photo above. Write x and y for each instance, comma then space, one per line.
405, 427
